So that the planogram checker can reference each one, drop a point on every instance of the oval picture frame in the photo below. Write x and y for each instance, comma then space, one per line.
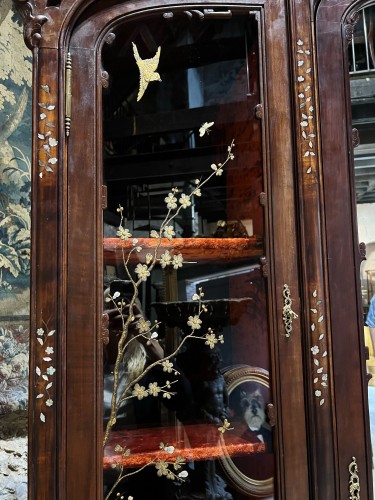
240, 379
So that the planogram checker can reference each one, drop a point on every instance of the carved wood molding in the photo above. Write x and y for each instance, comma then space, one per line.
200, 14
32, 30
350, 22
362, 251
355, 138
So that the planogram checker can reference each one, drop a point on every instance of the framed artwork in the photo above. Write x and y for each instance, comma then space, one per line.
249, 393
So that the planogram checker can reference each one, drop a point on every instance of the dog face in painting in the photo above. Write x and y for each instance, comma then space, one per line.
252, 405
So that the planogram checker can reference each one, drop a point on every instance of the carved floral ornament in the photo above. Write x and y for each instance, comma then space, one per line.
32, 22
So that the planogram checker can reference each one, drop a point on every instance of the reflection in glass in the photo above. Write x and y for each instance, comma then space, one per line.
185, 300
362, 87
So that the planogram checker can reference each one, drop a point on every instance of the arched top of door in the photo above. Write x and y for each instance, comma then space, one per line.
50, 23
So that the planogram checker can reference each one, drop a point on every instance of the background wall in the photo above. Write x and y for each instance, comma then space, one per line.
15, 149
366, 233
15, 146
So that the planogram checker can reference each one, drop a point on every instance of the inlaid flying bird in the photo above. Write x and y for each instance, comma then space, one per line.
147, 70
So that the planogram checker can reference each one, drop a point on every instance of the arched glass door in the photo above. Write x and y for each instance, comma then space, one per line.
176, 177
184, 235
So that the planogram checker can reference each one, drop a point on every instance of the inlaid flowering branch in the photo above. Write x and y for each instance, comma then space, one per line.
318, 350
146, 333
305, 96
45, 370
47, 157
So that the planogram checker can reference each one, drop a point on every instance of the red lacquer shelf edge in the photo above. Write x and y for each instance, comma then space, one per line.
192, 249
191, 442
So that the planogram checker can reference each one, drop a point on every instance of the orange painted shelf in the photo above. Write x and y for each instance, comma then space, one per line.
192, 249
191, 442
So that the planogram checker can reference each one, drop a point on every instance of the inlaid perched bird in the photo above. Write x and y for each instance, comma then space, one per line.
147, 70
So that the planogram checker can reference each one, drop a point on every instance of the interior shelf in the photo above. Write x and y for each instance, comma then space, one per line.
191, 442
192, 249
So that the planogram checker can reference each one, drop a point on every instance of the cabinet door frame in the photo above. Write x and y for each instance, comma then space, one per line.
334, 27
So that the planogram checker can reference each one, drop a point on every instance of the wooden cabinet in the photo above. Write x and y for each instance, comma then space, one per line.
138, 110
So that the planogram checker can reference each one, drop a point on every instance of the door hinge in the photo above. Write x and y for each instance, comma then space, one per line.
264, 267
104, 197
105, 329
259, 111
271, 414
68, 93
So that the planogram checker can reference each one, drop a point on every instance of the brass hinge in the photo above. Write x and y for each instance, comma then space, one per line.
271, 414
104, 197
259, 111
68, 93
105, 329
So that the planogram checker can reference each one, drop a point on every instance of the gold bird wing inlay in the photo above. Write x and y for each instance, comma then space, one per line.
147, 70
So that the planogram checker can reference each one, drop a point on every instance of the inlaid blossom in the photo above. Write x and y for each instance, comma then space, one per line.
167, 366
169, 232
217, 169
49, 402
185, 200
324, 377
315, 350
49, 350
177, 464
177, 261
165, 259
40, 331
143, 325
171, 201
50, 370
142, 272
123, 233
162, 468
153, 388
211, 340
139, 391
194, 322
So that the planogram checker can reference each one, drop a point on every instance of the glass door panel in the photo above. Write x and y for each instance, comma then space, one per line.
186, 368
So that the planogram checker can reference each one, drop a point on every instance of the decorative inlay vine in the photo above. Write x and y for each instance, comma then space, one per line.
45, 370
47, 150
354, 486
305, 95
319, 350
32, 23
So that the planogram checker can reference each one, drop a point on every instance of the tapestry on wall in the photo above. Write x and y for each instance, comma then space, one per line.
15, 185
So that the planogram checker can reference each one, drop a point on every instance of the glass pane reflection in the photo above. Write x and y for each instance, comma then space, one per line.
186, 367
